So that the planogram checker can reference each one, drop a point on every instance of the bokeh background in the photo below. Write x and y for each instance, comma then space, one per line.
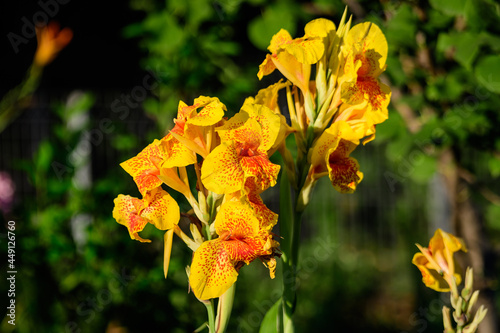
115, 88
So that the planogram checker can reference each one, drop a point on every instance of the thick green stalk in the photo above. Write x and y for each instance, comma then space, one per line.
224, 309
211, 317
291, 218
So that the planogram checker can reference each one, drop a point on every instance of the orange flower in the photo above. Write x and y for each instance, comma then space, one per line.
51, 40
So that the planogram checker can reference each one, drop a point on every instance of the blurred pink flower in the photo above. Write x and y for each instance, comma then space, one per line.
7, 189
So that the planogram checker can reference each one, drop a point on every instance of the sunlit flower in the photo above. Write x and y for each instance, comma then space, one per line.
145, 167
243, 152
436, 263
293, 57
365, 51
216, 262
193, 130
269, 98
330, 154
157, 208
51, 40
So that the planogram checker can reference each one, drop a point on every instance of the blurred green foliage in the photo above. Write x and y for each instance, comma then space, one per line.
444, 69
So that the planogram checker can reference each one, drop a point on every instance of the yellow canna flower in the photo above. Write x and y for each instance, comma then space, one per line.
293, 57
365, 52
269, 98
157, 208
145, 167
51, 40
359, 120
243, 152
436, 263
148, 171
216, 262
330, 153
192, 130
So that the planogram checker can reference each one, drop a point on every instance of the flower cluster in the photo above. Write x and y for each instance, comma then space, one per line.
337, 109
229, 223
330, 115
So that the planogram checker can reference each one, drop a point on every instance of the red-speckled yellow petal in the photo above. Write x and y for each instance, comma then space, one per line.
144, 167
307, 51
369, 39
126, 212
244, 250
221, 171
260, 170
267, 217
236, 219
212, 112
269, 123
343, 170
279, 39
269, 96
212, 271
177, 154
319, 27
162, 210
266, 67
298, 73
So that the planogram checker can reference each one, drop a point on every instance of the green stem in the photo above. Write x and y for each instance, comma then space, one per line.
211, 317
224, 309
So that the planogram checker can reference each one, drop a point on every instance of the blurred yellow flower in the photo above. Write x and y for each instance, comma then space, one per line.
51, 40
436, 263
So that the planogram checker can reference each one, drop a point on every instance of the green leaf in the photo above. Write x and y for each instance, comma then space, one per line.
262, 29
402, 28
44, 156
479, 14
493, 217
494, 166
424, 166
463, 46
488, 73
270, 322
449, 7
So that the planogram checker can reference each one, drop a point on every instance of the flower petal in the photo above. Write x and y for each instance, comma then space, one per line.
162, 210
221, 171
212, 271
144, 167
126, 212
236, 219
261, 170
